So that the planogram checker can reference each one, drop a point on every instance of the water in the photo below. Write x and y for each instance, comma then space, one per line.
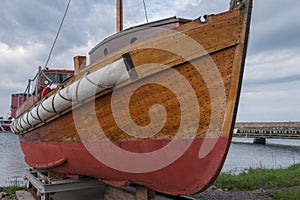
12, 163
242, 155
277, 153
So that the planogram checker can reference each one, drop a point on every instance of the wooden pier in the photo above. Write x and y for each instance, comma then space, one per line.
262, 130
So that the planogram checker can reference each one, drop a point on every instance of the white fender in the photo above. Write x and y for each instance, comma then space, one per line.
79, 91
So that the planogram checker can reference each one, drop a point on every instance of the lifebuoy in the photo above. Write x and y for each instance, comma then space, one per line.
45, 91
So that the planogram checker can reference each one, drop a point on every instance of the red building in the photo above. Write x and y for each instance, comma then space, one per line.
16, 101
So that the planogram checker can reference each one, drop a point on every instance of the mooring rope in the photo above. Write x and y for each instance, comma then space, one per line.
145, 9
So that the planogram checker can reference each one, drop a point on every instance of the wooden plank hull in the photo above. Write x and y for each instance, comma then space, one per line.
168, 130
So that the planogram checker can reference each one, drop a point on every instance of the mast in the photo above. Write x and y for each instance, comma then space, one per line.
119, 15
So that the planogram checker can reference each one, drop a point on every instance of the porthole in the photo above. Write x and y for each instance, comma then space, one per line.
204, 19
133, 40
105, 52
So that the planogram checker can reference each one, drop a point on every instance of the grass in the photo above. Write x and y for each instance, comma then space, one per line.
290, 194
11, 189
253, 179
13, 186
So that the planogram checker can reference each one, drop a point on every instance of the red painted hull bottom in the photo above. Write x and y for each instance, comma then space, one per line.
187, 175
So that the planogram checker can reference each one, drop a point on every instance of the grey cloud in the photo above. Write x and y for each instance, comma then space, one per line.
25, 21
277, 80
37, 21
275, 25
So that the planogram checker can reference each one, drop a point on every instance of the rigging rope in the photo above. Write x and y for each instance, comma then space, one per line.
57, 34
145, 9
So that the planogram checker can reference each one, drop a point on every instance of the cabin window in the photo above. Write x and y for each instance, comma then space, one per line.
133, 40
105, 52
61, 77
5, 122
56, 78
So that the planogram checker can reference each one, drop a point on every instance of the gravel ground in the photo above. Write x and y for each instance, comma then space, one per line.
8, 197
216, 194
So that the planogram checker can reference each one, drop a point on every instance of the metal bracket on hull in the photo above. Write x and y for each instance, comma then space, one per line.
130, 66
243, 5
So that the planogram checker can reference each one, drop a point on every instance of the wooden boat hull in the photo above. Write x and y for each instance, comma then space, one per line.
169, 129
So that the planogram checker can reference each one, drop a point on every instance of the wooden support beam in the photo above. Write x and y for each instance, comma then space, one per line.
143, 193
138, 193
56, 176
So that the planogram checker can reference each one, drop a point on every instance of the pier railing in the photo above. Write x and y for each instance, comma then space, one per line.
279, 130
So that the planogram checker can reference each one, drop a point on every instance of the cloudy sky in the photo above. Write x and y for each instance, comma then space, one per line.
271, 88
